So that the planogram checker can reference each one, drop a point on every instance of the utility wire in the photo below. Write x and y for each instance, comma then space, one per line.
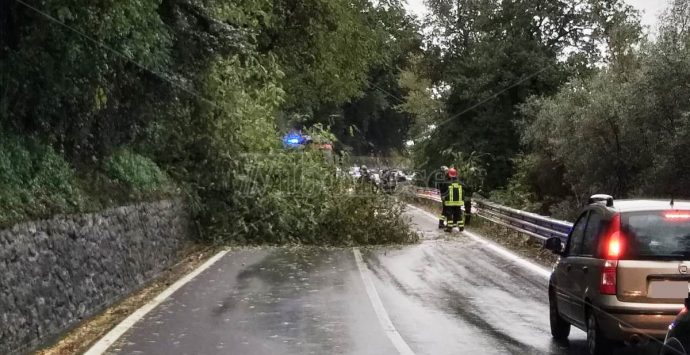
400, 100
489, 98
482, 102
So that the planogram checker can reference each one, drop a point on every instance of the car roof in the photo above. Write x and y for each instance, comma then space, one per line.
648, 205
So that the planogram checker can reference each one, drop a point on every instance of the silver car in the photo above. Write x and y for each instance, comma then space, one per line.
622, 275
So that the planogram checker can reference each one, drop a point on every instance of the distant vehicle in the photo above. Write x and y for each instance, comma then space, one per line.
678, 337
623, 273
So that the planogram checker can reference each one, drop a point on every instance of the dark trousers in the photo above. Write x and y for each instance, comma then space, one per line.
454, 217
442, 218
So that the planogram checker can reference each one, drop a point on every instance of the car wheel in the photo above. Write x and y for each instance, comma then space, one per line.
597, 343
560, 328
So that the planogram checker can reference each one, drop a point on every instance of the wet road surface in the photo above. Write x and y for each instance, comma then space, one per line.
445, 295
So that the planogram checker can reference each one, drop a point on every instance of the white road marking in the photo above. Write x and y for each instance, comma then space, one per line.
104, 343
541, 271
512, 256
385, 321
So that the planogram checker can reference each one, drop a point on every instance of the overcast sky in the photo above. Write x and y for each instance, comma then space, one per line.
650, 9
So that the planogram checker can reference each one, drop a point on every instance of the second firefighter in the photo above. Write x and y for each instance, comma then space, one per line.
451, 195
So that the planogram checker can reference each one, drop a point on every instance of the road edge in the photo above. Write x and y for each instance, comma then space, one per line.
102, 345
526, 264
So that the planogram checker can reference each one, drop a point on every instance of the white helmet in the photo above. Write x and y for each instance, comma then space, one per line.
444, 168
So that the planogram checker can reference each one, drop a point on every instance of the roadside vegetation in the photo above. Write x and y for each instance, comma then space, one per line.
553, 101
538, 103
105, 103
623, 130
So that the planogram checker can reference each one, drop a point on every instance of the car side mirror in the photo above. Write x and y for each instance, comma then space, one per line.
555, 245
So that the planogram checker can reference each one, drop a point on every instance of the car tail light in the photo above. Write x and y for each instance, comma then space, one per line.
608, 278
613, 249
614, 241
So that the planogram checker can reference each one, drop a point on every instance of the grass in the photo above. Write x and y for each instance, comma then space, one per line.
36, 182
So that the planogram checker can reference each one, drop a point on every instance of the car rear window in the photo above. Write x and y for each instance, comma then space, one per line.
657, 234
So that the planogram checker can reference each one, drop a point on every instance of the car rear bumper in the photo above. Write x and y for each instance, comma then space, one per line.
621, 326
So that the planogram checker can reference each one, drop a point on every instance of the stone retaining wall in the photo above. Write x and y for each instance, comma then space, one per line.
58, 272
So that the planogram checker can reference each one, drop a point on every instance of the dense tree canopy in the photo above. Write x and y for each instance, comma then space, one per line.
623, 130
201, 87
525, 97
493, 56
342, 70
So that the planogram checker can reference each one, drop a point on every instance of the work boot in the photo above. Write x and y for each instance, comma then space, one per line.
441, 224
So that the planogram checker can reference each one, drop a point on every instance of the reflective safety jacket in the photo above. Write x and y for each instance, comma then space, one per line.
453, 194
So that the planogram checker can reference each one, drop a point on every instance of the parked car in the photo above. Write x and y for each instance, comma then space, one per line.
623, 272
678, 337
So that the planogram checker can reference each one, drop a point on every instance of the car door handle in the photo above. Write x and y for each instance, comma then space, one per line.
585, 269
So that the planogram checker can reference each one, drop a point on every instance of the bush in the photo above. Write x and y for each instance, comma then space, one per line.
365, 219
519, 191
135, 171
36, 182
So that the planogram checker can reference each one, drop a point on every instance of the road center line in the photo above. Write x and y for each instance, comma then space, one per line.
385, 321
109, 339
526, 264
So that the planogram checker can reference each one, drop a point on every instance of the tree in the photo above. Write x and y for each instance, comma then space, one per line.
380, 126
342, 60
495, 55
325, 48
422, 101
72, 69
623, 130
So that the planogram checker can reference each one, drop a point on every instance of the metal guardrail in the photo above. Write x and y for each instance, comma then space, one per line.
535, 225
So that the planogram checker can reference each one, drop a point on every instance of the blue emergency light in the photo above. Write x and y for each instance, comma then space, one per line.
293, 139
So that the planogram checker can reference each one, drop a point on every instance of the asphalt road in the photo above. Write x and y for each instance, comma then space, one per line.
445, 295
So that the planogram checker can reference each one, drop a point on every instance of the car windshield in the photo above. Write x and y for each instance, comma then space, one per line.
658, 233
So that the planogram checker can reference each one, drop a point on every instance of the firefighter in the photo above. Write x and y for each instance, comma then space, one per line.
452, 199
441, 184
